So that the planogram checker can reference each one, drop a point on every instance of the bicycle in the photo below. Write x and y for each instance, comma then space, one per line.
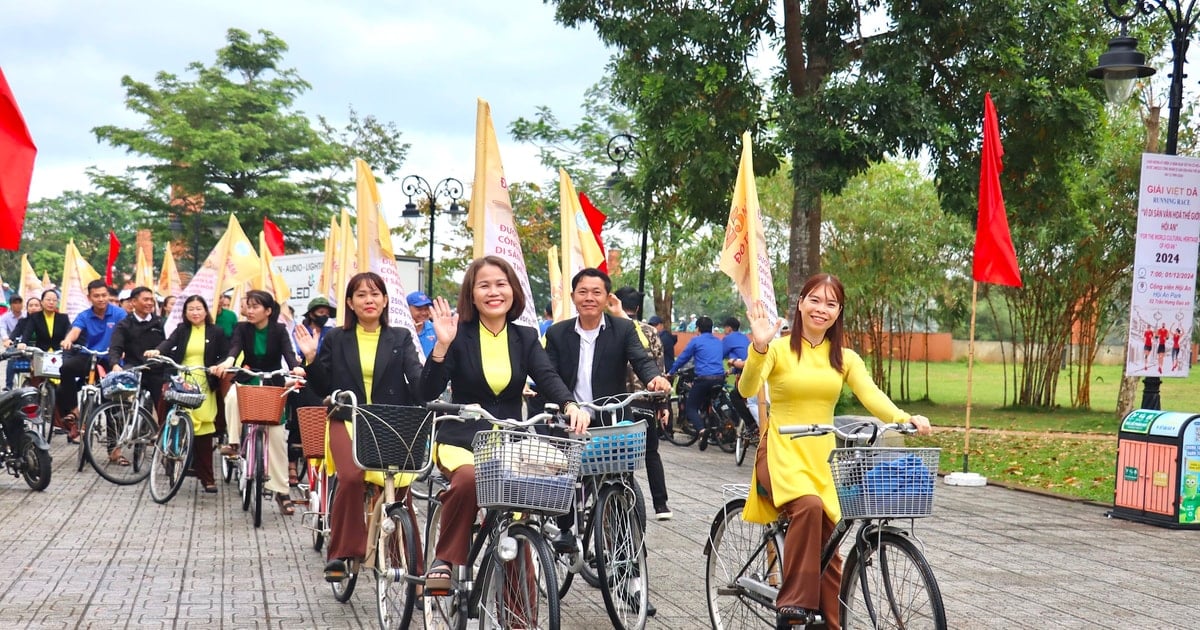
720, 418
391, 439
124, 427
259, 406
173, 448
89, 400
519, 477
316, 486
610, 514
886, 580
44, 367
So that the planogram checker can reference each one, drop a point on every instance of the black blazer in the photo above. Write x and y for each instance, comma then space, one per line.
279, 346
38, 336
338, 366
463, 369
216, 346
617, 345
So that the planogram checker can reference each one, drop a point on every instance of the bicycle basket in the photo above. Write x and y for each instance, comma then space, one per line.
46, 364
261, 404
120, 385
183, 393
312, 430
519, 471
391, 437
613, 450
884, 482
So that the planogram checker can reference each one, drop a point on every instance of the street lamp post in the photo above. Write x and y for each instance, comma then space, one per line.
621, 149
416, 186
1120, 67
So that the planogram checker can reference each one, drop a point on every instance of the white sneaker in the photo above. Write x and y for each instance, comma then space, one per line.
662, 514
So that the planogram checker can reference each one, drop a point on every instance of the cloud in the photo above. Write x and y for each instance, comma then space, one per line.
419, 63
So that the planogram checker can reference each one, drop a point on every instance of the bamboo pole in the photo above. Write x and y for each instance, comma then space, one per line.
970, 378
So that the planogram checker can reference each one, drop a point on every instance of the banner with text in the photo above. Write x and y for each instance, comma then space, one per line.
1164, 267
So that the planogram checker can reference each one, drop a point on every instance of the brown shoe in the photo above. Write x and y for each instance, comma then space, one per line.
71, 424
229, 450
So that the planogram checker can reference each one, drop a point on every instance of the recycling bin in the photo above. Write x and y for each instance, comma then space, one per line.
1158, 469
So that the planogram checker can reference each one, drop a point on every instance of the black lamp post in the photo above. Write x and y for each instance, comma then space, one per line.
621, 149
415, 185
1123, 64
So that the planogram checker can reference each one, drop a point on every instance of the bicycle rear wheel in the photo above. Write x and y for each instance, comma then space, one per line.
318, 506
621, 557
86, 413
260, 471
678, 430
47, 402
172, 457
743, 571
520, 593
890, 585
396, 563
119, 442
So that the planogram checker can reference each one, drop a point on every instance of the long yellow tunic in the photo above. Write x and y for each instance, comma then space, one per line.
204, 417
804, 390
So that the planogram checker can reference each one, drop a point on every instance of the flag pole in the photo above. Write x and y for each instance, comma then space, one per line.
970, 378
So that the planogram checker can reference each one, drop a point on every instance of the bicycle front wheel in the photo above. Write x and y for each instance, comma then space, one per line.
520, 593
396, 563
621, 557
260, 472
172, 457
86, 409
890, 585
743, 571
48, 403
119, 442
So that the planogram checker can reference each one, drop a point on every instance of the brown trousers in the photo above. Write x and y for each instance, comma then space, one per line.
347, 520
202, 459
808, 529
459, 508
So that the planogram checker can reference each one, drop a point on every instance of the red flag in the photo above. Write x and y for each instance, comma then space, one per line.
595, 220
274, 237
16, 168
114, 250
995, 257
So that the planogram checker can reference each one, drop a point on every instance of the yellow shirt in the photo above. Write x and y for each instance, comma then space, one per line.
804, 390
203, 418
497, 366
368, 343
49, 323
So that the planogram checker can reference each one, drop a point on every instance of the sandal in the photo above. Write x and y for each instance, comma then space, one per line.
798, 615
437, 578
293, 476
335, 570
210, 488
286, 507
70, 423
117, 458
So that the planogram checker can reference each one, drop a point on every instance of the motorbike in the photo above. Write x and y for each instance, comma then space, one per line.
30, 459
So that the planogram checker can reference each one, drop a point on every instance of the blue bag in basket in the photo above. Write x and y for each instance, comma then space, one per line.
905, 476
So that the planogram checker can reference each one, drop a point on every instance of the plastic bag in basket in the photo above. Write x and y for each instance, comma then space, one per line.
904, 475
534, 457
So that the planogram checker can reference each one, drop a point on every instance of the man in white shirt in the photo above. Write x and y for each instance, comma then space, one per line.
8, 321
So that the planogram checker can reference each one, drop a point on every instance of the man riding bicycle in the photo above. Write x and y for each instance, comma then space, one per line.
96, 325
140, 331
704, 350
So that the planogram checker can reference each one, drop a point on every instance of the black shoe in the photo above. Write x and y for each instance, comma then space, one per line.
662, 512
650, 609
704, 440
797, 616
565, 543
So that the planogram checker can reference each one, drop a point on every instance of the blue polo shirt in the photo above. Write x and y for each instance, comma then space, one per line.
705, 351
427, 337
734, 346
97, 330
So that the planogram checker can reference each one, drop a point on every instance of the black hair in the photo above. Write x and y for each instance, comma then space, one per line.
592, 272
138, 291
196, 298
266, 300
14, 299
704, 324
631, 299
350, 318
96, 284
732, 322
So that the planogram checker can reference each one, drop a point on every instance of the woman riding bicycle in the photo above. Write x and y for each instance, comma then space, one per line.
486, 361
264, 343
197, 343
805, 373
379, 364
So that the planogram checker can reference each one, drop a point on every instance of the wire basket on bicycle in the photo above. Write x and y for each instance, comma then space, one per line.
120, 385
518, 471
884, 482
184, 393
392, 437
616, 449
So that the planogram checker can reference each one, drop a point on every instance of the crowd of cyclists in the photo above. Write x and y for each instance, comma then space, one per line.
470, 353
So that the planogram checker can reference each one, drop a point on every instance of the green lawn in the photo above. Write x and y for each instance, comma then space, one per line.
1049, 459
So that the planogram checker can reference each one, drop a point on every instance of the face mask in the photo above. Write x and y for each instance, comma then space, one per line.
319, 320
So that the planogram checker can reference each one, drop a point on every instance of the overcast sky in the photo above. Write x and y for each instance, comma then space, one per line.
418, 63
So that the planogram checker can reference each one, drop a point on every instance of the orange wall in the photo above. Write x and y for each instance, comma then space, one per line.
939, 345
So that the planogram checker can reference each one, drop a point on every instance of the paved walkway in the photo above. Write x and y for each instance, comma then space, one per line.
86, 554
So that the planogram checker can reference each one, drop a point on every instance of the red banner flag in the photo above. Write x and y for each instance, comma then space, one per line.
595, 220
273, 236
16, 168
995, 257
114, 250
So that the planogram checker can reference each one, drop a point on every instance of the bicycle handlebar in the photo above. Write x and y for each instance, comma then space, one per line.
621, 401
473, 411
173, 364
292, 382
858, 433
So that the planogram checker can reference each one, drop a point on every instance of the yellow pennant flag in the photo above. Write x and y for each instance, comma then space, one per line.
168, 279
556, 285
490, 216
30, 286
584, 250
144, 269
744, 255
326, 276
46, 281
77, 273
375, 249
269, 279
345, 267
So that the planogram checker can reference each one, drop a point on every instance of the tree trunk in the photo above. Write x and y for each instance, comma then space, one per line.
804, 242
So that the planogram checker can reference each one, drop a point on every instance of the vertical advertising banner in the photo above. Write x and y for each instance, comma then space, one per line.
1164, 267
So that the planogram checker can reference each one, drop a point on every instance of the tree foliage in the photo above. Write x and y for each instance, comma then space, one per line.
228, 138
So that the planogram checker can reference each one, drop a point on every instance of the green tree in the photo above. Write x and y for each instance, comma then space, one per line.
229, 139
